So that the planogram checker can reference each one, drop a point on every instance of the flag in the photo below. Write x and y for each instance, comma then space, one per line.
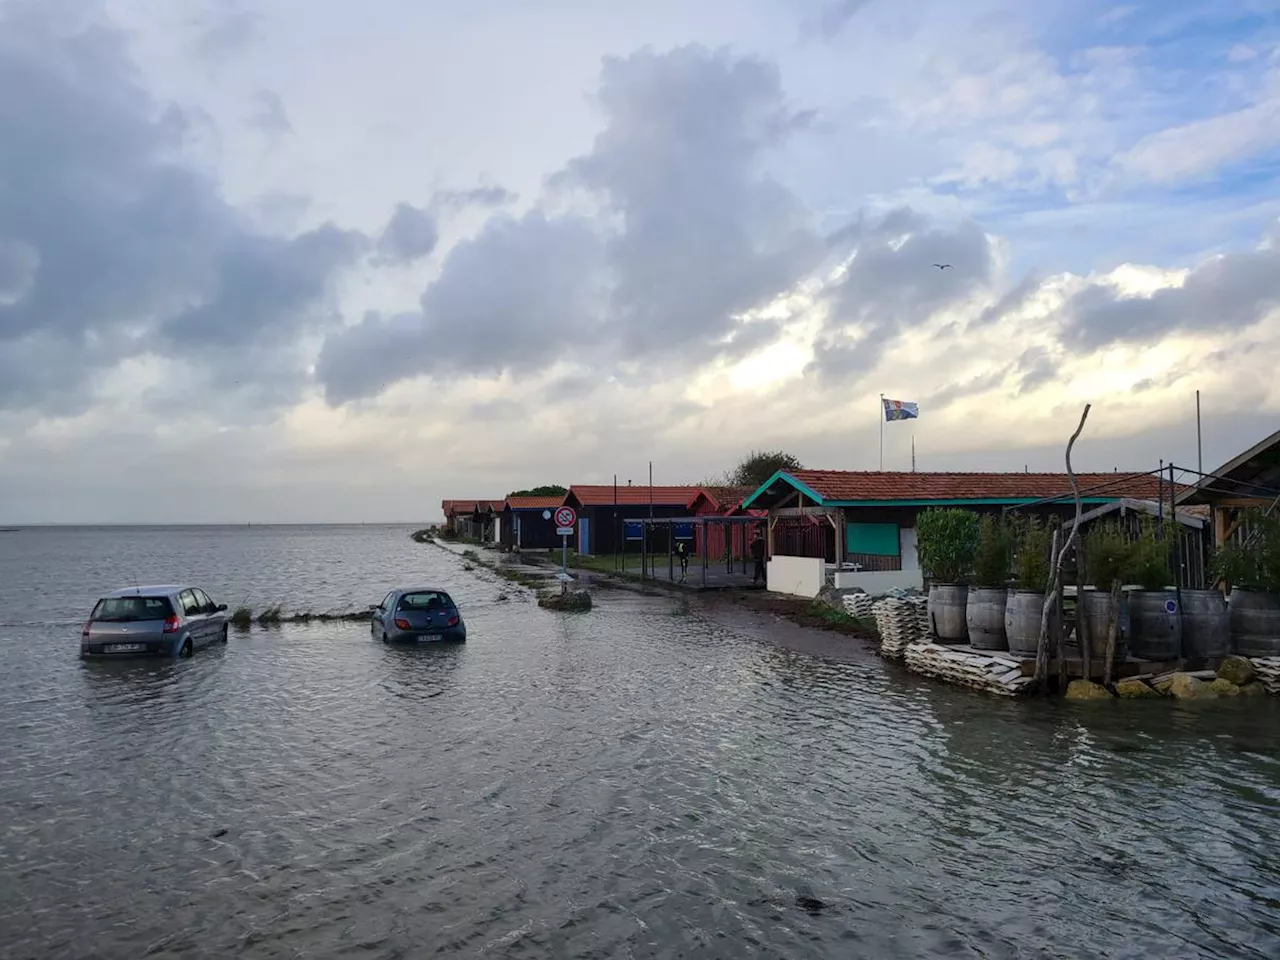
900, 410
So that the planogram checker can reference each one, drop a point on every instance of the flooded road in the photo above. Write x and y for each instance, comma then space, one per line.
639, 781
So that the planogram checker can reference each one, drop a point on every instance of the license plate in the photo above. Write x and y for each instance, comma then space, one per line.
124, 647
428, 637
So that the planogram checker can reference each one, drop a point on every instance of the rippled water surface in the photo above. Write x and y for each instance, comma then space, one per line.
641, 781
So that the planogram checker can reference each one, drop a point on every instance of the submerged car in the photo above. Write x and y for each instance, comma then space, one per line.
418, 615
161, 621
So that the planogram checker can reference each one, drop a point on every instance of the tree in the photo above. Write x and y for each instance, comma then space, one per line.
758, 466
548, 490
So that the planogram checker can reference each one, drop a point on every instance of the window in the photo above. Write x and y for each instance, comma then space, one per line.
202, 598
190, 606
125, 609
425, 600
386, 601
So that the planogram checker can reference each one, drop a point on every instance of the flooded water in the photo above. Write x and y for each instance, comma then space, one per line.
635, 782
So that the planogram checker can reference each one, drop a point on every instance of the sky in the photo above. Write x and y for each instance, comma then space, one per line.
310, 260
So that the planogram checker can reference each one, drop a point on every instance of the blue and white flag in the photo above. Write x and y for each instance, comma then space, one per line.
900, 410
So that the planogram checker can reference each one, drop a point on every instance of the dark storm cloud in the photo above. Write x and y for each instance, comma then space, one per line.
891, 287
513, 298
127, 251
693, 234
1228, 292
410, 235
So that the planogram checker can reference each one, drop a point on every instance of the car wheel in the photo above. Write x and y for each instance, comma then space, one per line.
186, 648
224, 634
384, 639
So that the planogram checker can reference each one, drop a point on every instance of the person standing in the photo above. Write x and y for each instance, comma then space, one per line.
757, 554
682, 551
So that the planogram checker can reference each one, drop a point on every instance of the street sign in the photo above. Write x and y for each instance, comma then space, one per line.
566, 517
565, 531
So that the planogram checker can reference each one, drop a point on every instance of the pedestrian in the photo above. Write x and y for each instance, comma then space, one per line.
682, 551
757, 554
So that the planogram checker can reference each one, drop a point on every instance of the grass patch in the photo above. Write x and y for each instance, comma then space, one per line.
242, 619
573, 601
423, 536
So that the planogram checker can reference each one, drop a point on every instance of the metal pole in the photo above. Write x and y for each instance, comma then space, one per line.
650, 489
1177, 556
882, 431
617, 534
706, 535
1160, 499
564, 563
1199, 449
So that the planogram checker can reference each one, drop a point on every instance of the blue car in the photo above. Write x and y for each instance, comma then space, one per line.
418, 615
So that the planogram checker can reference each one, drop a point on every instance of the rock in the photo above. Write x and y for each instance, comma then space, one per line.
1087, 690
1135, 690
571, 600
1224, 687
1238, 670
1186, 687
1254, 689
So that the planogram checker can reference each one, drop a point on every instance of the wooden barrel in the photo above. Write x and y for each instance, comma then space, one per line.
1022, 612
984, 616
1155, 625
1255, 624
1206, 625
947, 602
1094, 606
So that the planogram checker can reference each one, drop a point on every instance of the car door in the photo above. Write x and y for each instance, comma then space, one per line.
379, 626
214, 618
193, 613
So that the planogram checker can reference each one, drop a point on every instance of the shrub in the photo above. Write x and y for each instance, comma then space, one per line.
995, 544
947, 542
1108, 555
1031, 562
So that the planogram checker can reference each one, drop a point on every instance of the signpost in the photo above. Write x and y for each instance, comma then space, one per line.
566, 517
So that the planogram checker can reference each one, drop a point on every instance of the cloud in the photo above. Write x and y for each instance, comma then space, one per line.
271, 116
410, 235
836, 16
226, 29
1198, 148
890, 288
1231, 291
483, 196
122, 250
688, 234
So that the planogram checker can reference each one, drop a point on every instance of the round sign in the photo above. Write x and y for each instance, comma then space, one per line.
1171, 606
566, 517
546, 514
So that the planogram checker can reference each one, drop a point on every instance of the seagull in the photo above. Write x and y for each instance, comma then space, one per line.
944, 266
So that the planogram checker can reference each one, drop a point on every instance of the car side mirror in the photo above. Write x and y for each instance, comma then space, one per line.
374, 606
221, 608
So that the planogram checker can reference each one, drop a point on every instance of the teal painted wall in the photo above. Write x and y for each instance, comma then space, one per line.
876, 539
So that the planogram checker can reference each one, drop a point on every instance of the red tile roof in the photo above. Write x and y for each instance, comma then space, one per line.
873, 485
723, 498
602, 495
453, 508
534, 503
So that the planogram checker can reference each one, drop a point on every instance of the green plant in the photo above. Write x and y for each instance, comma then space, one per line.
995, 544
1252, 563
242, 618
1034, 540
1150, 557
947, 543
1108, 555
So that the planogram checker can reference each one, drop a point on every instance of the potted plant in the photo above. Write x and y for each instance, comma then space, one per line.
1251, 569
1108, 565
1025, 603
1155, 622
947, 542
985, 606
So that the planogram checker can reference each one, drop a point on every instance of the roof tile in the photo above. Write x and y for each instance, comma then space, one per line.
602, 495
876, 485
534, 503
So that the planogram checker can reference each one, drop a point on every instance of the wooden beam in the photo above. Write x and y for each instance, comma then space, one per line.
1238, 503
802, 512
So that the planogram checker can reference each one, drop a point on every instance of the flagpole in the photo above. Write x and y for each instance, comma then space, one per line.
913, 453
882, 432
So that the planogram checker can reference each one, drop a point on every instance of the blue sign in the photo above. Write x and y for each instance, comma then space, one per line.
684, 531
634, 530
1171, 606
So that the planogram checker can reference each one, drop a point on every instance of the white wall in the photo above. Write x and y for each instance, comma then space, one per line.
907, 549
799, 576
877, 582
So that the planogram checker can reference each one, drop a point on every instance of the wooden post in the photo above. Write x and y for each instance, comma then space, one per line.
1113, 625
1051, 594
1083, 635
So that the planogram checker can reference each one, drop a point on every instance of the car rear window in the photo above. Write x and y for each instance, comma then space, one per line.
424, 599
121, 609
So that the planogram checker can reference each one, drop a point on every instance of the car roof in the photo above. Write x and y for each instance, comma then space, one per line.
421, 590
154, 590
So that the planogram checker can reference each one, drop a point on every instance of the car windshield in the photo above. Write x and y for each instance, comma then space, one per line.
425, 600
123, 609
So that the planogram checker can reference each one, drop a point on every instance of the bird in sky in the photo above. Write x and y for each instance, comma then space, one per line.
944, 266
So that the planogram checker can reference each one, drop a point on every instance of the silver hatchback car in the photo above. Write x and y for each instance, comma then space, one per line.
418, 615
166, 621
